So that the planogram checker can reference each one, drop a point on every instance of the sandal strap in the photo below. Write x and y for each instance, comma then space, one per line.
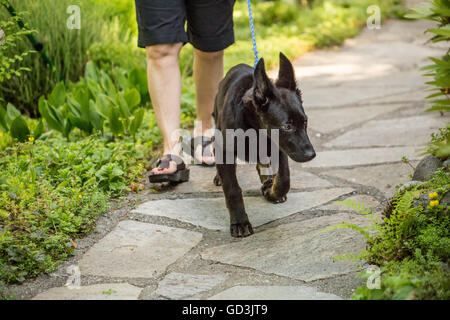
205, 141
164, 162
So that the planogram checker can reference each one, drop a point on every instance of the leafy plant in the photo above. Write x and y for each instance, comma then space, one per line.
412, 243
11, 120
96, 103
10, 36
439, 12
439, 146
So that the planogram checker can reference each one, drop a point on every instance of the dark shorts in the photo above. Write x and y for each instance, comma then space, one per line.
209, 23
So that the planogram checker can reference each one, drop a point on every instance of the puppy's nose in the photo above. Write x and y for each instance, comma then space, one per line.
310, 154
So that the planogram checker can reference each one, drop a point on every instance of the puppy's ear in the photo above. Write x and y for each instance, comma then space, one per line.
286, 75
263, 88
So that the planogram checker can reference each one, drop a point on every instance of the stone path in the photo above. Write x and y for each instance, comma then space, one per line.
365, 103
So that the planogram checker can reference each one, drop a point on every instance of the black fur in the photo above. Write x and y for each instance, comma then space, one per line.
246, 99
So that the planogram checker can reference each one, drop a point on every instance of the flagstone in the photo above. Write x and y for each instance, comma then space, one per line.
273, 293
299, 250
362, 156
201, 179
367, 201
411, 131
137, 250
179, 285
103, 291
329, 120
383, 177
212, 213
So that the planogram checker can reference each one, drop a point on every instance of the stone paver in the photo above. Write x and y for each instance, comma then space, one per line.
104, 291
212, 213
273, 293
329, 120
382, 177
366, 200
298, 250
137, 250
358, 157
411, 131
177, 286
201, 178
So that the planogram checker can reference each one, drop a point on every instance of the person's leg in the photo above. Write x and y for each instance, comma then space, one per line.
208, 72
164, 83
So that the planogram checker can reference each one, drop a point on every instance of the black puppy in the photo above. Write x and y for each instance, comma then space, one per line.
248, 99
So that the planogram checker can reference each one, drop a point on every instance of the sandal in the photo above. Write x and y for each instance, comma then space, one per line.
206, 150
181, 175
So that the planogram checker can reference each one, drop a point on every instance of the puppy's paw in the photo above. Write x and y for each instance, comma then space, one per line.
240, 230
268, 194
217, 181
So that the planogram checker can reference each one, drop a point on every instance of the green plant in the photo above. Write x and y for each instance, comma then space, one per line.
97, 103
439, 146
10, 36
67, 48
52, 191
439, 12
411, 245
11, 120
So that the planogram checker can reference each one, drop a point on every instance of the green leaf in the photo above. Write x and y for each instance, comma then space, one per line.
3, 118
115, 124
441, 31
11, 114
58, 95
19, 129
81, 95
137, 121
132, 97
123, 105
95, 117
80, 123
39, 130
50, 116
91, 72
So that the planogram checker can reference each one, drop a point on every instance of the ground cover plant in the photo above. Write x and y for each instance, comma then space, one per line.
67, 147
411, 245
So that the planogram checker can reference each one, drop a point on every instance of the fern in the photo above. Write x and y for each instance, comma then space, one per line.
346, 225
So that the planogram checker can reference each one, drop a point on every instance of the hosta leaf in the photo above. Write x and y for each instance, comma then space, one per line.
39, 130
95, 117
3, 118
11, 114
19, 129
132, 97
58, 96
137, 121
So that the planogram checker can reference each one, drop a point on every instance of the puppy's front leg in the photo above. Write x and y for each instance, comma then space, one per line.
275, 190
239, 224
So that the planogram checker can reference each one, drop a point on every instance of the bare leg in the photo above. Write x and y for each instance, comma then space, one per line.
208, 72
164, 83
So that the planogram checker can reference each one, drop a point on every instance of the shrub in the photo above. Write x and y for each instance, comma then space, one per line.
66, 48
10, 35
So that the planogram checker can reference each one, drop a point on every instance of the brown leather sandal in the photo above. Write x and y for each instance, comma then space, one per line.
181, 175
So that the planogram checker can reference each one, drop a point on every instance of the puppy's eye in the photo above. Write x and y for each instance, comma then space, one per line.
287, 126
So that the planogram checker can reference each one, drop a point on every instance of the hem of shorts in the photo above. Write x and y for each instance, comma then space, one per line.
151, 40
212, 44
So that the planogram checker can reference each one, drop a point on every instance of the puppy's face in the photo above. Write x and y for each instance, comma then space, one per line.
279, 106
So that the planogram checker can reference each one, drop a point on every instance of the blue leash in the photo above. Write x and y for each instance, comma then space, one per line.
252, 28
